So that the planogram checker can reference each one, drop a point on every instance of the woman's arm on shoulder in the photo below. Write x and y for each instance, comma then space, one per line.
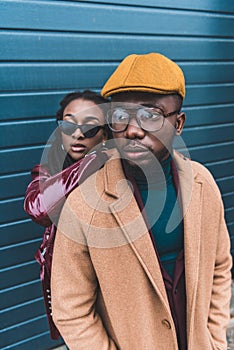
45, 195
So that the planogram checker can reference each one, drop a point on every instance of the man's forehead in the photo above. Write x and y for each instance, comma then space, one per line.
143, 98
134, 95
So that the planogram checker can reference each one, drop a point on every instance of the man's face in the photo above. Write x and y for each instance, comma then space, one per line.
138, 146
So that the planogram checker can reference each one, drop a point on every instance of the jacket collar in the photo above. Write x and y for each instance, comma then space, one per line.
135, 230
114, 173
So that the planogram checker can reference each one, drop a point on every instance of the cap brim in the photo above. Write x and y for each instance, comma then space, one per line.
137, 88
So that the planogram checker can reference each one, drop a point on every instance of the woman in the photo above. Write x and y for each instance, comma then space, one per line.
75, 154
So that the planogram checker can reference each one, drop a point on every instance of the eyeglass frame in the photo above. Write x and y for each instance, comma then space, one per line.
138, 118
81, 127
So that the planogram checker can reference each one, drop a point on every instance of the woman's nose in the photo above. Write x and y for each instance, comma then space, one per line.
77, 134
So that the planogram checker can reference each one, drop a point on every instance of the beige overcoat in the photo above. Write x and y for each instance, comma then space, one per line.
107, 289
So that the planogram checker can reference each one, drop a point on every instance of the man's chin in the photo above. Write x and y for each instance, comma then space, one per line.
139, 162
144, 159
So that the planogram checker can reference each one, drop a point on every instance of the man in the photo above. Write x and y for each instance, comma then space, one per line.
141, 258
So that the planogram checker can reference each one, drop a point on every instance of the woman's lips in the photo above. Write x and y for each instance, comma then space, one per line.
78, 147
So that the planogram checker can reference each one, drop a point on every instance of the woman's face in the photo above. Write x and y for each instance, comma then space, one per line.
82, 112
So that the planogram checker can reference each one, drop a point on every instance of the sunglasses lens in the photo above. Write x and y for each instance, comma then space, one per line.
67, 127
87, 130
92, 130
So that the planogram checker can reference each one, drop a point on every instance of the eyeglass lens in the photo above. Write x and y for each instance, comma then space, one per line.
148, 119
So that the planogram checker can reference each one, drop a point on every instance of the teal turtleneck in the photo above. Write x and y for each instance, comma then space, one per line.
162, 209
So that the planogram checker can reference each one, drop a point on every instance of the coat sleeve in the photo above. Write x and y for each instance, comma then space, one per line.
74, 291
221, 292
46, 194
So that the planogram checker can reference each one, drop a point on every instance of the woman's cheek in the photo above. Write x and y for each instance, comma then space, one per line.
67, 141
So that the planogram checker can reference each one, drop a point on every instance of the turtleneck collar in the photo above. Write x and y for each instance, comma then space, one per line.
153, 177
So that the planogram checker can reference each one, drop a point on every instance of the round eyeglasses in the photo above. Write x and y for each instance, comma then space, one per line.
148, 118
88, 130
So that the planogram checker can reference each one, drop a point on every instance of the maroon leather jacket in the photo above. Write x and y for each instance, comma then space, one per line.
44, 199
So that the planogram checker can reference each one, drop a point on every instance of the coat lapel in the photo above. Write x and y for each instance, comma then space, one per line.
191, 196
127, 213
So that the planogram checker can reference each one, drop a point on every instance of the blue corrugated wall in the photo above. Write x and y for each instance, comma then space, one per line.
48, 48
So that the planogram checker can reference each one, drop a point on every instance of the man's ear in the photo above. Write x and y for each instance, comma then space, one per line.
180, 120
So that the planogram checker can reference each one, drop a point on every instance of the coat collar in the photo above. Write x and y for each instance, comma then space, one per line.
191, 185
126, 211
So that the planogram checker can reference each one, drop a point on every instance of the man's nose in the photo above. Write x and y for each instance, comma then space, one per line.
134, 130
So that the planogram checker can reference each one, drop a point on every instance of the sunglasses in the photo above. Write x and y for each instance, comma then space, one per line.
88, 130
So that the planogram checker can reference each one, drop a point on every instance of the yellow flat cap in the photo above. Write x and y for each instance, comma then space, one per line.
151, 72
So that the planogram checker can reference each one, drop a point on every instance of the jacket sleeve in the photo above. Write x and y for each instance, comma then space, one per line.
221, 292
74, 291
46, 194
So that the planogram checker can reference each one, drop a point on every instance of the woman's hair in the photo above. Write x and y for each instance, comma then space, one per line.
58, 159
86, 95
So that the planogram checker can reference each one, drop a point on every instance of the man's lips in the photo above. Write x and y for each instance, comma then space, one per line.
135, 147
78, 147
135, 151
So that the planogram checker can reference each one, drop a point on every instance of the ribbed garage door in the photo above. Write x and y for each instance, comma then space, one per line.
48, 48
